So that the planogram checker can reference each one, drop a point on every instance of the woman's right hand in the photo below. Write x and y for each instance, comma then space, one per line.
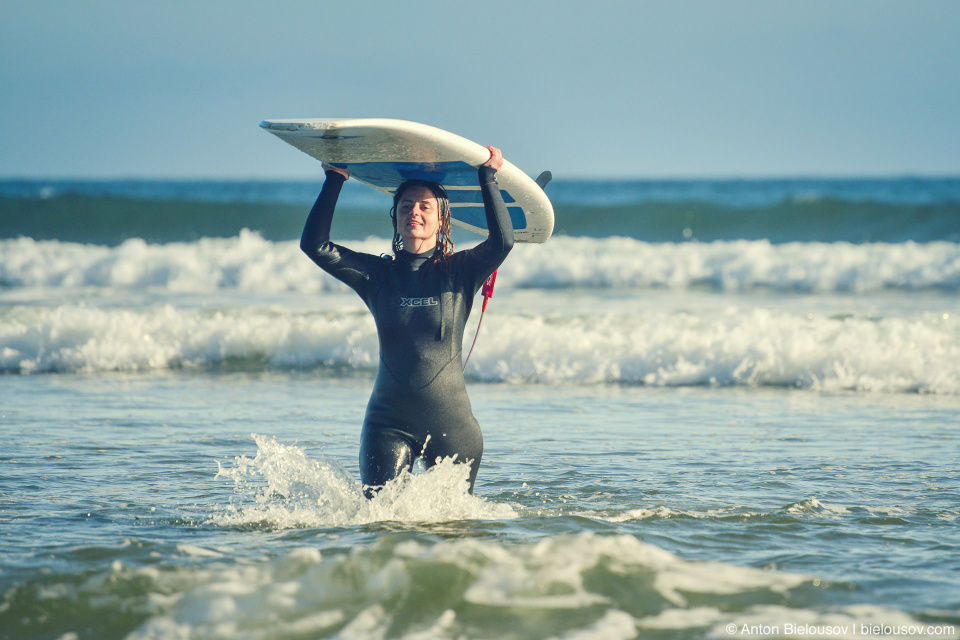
344, 172
496, 158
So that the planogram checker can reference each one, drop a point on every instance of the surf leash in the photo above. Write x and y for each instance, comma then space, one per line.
487, 291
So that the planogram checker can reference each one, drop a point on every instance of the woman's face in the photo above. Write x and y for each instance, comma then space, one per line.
418, 219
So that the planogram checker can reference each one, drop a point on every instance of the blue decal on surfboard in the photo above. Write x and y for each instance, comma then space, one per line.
475, 217
391, 174
472, 195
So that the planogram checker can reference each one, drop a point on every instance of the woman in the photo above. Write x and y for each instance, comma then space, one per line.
420, 300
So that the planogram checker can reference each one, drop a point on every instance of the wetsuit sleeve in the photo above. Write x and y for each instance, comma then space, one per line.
317, 229
486, 257
350, 267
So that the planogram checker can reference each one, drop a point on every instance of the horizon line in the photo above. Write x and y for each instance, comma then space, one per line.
906, 175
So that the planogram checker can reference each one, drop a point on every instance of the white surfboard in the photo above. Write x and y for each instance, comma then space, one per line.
382, 153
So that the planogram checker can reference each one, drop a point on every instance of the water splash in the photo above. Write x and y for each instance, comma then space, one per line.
282, 487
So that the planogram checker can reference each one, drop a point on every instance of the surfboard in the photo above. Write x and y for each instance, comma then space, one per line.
382, 153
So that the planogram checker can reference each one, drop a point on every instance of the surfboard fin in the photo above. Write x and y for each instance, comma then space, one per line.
543, 179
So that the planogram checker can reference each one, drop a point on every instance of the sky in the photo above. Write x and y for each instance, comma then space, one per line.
602, 88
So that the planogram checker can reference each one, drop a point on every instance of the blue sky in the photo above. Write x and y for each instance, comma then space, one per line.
678, 88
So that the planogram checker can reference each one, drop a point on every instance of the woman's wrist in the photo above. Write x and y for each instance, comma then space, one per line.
488, 175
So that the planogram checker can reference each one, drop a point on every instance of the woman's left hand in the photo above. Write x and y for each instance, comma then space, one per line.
329, 167
496, 159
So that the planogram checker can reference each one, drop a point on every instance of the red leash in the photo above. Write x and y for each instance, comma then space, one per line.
487, 291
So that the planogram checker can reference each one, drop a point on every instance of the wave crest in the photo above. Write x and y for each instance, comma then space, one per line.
736, 347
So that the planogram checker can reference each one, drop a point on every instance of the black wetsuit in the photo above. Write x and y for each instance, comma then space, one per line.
419, 403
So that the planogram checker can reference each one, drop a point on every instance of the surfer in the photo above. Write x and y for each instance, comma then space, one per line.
420, 299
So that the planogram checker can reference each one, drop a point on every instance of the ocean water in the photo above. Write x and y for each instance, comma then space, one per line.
712, 409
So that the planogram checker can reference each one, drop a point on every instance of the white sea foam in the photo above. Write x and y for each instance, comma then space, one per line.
737, 265
87, 339
344, 593
246, 263
814, 506
374, 590
618, 340
749, 347
250, 263
587, 582
810, 508
736, 347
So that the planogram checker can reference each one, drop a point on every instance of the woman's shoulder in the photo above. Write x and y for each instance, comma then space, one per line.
334, 254
479, 254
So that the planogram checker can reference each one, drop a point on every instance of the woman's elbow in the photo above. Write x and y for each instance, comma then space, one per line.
310, 244
508, 242
307, 247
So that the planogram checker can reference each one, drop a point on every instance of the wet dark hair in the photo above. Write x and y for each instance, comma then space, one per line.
444, 247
